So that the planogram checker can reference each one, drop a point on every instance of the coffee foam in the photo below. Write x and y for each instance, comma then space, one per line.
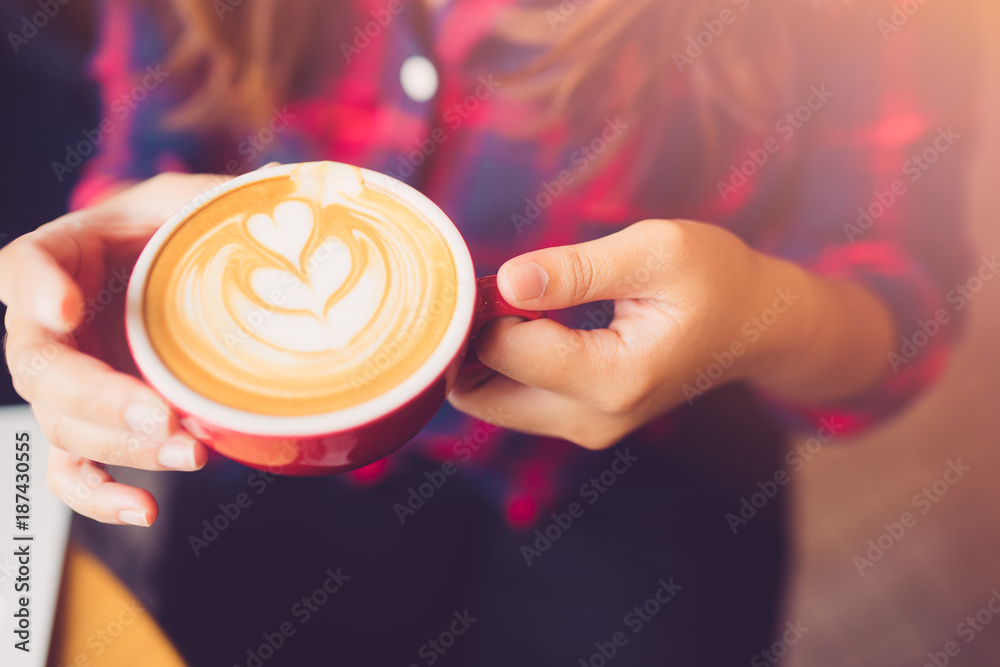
300, 294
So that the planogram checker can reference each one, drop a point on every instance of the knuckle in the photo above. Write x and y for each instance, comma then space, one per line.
53, 481
52, 428
649, 226
165, 177
607, 401
10, 252
575, 343
17, 365
72, 495
580, 268
81, 505
571, 350
625, 398
631, 401
90, 406
29, 366
21, 383
77, 494
669, 233
594, 439
125, 451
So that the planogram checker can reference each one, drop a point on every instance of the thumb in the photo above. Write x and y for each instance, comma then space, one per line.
621, 265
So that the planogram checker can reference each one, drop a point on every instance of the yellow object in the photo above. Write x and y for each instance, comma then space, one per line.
100, 623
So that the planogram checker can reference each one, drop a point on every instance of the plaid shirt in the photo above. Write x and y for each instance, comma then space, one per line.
860, 178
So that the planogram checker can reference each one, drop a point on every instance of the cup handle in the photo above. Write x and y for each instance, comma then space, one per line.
490, 306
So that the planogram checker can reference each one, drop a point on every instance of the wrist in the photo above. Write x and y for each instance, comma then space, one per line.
781, 322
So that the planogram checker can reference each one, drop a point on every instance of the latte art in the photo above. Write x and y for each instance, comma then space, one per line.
300, 294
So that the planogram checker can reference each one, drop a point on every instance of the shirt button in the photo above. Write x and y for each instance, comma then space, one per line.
419, 78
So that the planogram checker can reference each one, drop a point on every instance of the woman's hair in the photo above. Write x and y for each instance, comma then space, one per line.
595, 57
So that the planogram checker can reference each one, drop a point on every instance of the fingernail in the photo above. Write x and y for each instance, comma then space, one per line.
149, 419
133, 518
49, 311
526, 281
177, 453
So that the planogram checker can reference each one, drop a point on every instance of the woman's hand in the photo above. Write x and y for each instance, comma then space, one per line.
694, 307
64, 286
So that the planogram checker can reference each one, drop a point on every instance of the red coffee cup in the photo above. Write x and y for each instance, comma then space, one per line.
341, 440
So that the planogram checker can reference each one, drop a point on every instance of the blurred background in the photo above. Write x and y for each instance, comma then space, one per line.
930, 587
946, 567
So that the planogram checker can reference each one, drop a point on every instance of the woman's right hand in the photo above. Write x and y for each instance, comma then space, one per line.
64, 286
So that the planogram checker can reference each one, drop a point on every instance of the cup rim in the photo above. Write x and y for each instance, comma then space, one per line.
192, 403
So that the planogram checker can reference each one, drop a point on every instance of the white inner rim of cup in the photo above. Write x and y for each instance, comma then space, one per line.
241, 421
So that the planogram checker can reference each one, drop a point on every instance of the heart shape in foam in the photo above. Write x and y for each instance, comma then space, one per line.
287, 232
326, 271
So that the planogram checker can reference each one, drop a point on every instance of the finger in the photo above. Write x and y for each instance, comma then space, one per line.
538, 412
120, 448
91, 491
547, 355
621, 265
47, 370
35, 284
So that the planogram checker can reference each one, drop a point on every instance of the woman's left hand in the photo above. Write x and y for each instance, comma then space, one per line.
694, 306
